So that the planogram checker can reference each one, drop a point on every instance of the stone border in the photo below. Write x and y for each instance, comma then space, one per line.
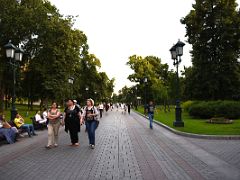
199, 136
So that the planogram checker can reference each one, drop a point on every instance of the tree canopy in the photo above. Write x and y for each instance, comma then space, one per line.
54, 51
160, 80
213, 30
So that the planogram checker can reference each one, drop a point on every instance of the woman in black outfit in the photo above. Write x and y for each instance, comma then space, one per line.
72, 121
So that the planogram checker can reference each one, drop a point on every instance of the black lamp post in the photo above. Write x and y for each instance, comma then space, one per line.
177, 52
86, 89
145, 80
14, 54
71, 81
136, 100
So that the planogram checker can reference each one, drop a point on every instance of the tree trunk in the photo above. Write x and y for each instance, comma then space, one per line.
41, 104
1, 101
28, 103
165, 106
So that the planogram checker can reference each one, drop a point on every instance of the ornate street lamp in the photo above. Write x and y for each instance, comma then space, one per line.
71, 81
86, 93
145, 80
14, 54
136, 100
176, 53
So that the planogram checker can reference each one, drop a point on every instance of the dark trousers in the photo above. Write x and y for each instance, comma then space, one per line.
91, 127
73, 135
101, 111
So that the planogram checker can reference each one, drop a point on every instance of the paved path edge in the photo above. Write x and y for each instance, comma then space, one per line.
200, 136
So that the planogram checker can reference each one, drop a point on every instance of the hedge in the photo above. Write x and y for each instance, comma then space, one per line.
186, 105
210, 109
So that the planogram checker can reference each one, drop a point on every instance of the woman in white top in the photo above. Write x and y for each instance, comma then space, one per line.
101, 107
39, 119
45, 114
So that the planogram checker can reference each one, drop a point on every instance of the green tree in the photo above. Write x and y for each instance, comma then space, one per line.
54, 51
213, 30
160, 85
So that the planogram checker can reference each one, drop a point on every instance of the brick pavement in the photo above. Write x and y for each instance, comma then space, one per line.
126, 149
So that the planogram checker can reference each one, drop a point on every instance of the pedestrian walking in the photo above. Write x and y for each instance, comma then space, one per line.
129, 108
150, 110
72, 121
53, 126
107, 107
125, 108
90, 116
101, 107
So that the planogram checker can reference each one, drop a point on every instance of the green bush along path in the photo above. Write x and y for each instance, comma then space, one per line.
196, 126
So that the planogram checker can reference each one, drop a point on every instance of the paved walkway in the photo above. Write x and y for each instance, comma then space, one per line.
126, 149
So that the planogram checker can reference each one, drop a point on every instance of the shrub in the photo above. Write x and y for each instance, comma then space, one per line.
210, 109
186, 105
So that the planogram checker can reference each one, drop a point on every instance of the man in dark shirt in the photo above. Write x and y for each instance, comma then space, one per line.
150, 110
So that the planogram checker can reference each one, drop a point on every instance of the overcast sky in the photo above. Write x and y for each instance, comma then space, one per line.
117, 29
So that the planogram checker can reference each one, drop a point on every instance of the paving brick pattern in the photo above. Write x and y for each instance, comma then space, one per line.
126, 149
225, 150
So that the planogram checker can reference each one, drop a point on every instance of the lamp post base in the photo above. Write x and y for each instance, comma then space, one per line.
178, 113
13, 114
178, 124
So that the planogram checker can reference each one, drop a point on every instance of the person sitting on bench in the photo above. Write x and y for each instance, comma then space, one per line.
7, 131
39, 119
19, 121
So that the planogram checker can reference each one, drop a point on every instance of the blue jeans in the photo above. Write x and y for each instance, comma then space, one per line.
29, 128
91, 127
150, 117
9, 134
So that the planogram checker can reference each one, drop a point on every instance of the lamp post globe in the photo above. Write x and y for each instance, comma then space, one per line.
18, 54
145, 80
10, 50
179, 48
173, 52
70, 80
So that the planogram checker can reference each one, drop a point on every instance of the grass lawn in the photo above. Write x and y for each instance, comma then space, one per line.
22, 110
196, 126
